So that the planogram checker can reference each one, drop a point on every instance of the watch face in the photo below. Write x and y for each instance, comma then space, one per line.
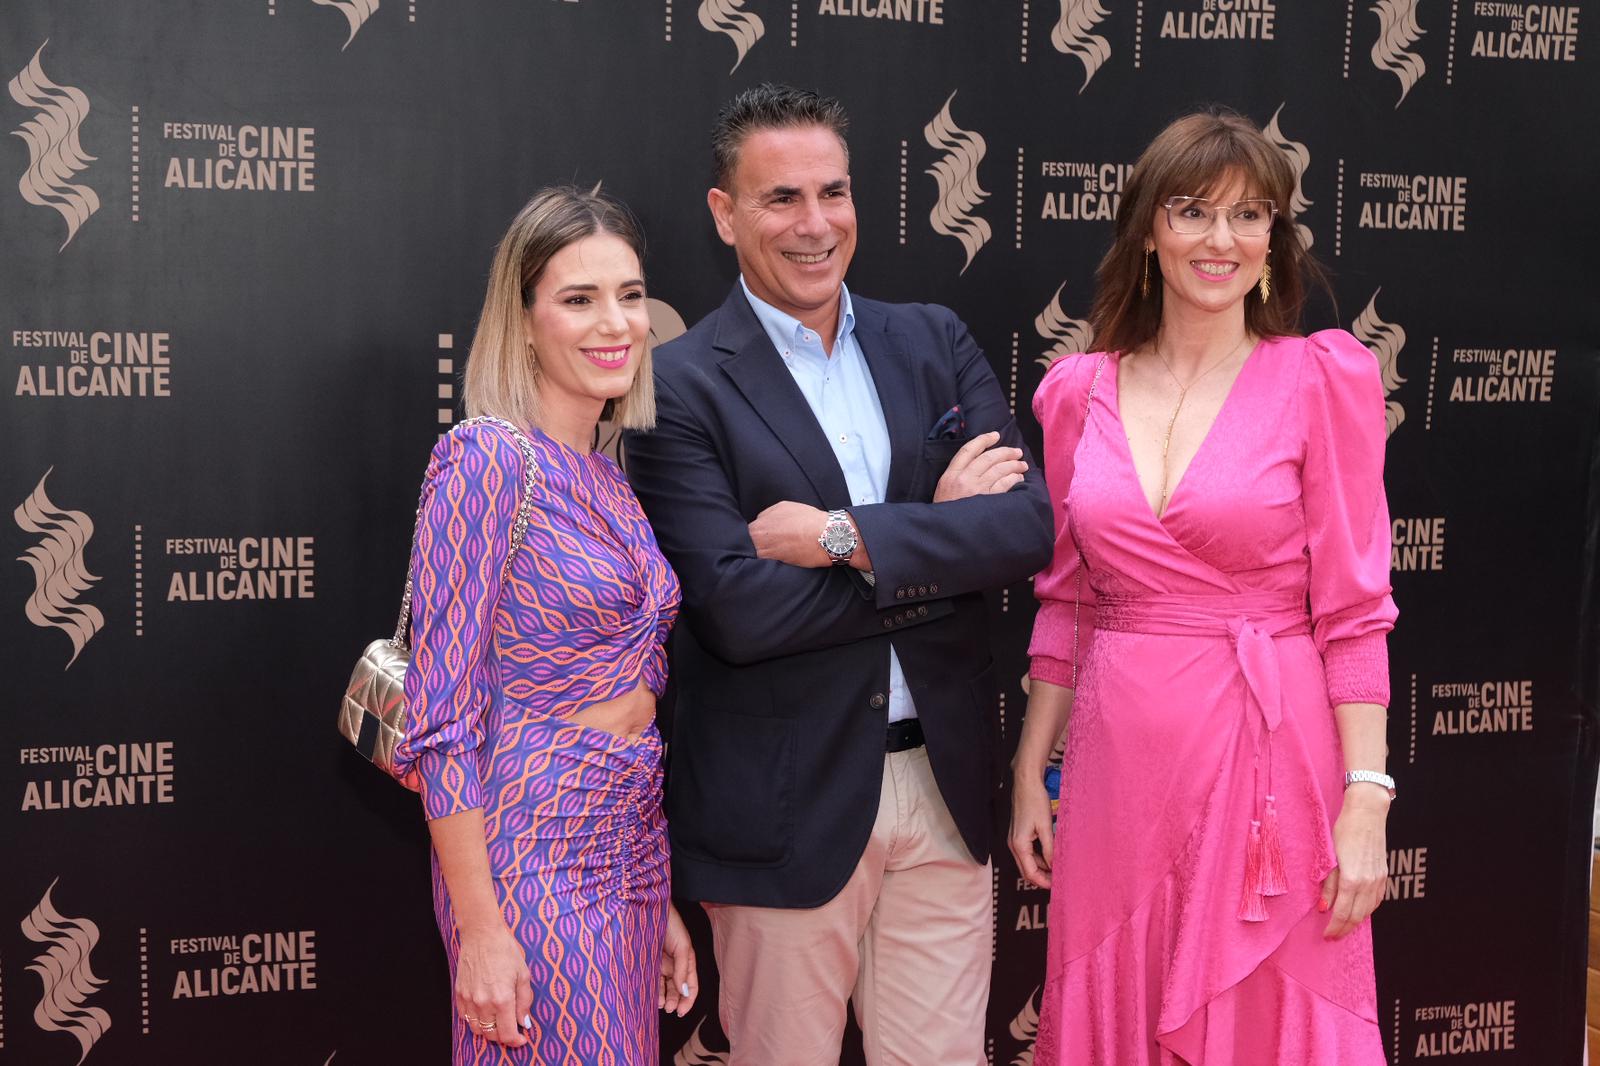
837, 539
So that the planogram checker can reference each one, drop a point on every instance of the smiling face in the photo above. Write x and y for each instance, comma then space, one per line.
1212, 271
790, 219
587, 323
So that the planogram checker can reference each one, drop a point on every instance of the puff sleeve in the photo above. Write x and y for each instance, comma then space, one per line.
1058, 405
1347, 516
473, 485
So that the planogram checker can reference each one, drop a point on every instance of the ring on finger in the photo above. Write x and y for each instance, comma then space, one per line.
486, 1027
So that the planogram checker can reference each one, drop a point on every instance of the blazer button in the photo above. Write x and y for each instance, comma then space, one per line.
888, 623
934, 589
922, 590
899, 616
899, 594
922, 611
877, 701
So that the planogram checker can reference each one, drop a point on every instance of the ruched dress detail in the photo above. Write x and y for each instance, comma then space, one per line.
1211, 645
572, 815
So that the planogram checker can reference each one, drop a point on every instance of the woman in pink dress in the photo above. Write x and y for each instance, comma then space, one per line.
1214, 625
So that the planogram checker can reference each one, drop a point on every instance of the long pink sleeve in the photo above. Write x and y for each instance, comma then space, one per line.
1347, 516
1066, 603
463, 537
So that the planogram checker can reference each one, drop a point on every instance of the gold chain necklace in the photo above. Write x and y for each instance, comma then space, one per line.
1183, 394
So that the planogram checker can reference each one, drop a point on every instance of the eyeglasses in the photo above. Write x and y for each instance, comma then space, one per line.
1196, 214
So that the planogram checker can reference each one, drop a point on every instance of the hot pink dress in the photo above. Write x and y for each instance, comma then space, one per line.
1203, 770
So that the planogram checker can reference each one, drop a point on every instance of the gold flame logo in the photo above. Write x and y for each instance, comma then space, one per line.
59, 573
1385, 339
1072, 35
743, 27
63, 969
1025, 1027
355, 12
695, 1053
957, 176
54, 154
1300, 159
1398, 30
1071, 335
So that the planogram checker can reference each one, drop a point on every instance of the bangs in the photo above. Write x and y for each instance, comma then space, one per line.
1206, 161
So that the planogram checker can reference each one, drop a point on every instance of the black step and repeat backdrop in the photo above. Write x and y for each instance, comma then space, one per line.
242, 247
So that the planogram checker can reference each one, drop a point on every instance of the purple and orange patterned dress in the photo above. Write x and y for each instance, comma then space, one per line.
572, 815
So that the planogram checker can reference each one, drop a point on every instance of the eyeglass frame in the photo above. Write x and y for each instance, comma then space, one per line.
1227, 213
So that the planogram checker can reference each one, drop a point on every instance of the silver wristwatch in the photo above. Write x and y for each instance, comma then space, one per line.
838, 538
1371, 777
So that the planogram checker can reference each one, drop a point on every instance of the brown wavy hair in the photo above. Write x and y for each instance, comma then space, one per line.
1195, 156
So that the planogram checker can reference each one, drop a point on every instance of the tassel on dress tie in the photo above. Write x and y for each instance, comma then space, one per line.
1264, 873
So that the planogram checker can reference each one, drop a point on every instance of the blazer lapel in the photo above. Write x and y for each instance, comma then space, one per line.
889, 360
759, 374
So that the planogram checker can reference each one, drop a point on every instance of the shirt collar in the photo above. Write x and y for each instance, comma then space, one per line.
784, 330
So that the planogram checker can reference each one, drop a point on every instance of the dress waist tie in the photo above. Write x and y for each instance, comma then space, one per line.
1251, 622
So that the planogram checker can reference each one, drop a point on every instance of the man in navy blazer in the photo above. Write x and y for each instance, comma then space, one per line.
837, 481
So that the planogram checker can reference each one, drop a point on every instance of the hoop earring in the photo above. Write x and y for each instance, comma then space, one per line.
1266, 279
1144, 282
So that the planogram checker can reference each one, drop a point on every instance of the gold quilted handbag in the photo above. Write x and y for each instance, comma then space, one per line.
372, 715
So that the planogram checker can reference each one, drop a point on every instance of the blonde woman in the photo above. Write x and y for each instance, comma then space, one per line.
532, 691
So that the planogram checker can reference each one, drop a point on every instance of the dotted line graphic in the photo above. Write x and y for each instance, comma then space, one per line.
272, 7
1016, 347
1025, 30
1020, 169
669, 20
902, 192
1450, 56
994, 889
1338, 213
1349, 28
144, 981
411, 10
794, 24
1396, 1044
1413, 756
1433, 369
133, 156
138, 581
447, 371
1138, 35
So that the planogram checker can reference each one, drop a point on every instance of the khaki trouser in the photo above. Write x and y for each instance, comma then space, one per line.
909, 939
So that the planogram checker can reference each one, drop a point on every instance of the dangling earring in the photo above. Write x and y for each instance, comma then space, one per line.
1144, 282
1266, 278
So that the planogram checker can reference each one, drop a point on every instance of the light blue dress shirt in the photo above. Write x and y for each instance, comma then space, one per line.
844, 400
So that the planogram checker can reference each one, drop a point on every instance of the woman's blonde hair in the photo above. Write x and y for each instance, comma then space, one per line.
502, 375
1192, 157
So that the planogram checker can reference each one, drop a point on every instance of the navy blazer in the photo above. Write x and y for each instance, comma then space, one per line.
775, 758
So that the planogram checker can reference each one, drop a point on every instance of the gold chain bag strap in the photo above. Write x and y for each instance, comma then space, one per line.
372, 715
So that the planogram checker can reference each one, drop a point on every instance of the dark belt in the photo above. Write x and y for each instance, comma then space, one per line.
905, 735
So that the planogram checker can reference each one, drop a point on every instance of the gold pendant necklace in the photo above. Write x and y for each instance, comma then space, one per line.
1183, 394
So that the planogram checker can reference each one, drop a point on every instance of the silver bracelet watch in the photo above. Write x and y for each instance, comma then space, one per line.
838, 538
1371, 777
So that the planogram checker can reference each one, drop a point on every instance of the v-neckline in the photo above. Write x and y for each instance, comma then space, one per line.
1183, 479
